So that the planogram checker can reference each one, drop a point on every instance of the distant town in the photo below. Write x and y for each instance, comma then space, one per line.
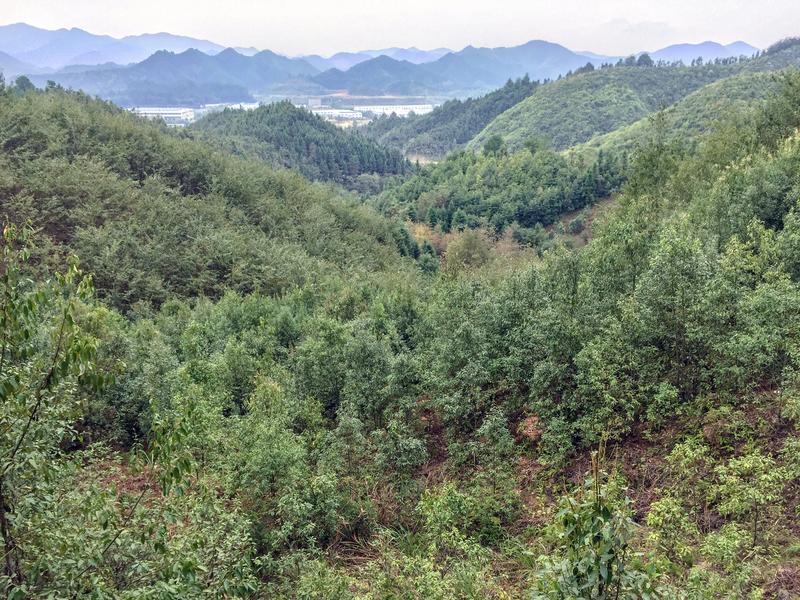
351, 115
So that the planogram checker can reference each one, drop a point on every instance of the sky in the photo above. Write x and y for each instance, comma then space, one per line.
325, 26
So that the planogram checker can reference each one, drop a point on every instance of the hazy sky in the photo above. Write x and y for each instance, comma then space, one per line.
325, 26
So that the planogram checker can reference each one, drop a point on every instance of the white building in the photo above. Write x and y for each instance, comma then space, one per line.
208, 109
401, 110
338, 113
219, 107
171, 116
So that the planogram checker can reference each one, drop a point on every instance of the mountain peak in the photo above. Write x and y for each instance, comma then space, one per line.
229, 52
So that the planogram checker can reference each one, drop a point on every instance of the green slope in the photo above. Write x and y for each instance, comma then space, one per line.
450, 125
283, 135
690, 117
524, 190
363, 431
576, 109
157, 216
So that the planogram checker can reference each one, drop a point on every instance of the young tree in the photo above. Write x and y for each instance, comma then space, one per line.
747, 486
595, 558
44, 359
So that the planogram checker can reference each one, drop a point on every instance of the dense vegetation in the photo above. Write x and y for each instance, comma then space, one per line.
268, 397
449, 126
689, 118
283, 135
575, 109
496, 190
155, 216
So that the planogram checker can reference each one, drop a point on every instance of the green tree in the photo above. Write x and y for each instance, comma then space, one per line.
494, 146
644, 60
594, 557
469, 251
45, 359
747, 486
672, 530
23, 85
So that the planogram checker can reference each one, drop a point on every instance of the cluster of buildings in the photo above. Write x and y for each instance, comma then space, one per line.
401, 110
359, 114
181, 116
343, 117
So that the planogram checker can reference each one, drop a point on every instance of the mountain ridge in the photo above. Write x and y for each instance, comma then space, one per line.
190, 77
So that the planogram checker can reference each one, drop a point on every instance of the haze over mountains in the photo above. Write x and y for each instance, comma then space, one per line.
56, 49
368, 339
471, 70
707, 50
169, 69
191, 77
347, 60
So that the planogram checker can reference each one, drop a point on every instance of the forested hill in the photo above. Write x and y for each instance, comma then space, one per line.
496, 190
450, 125
284, 135
155, 216
253, 389
576, 108
689, 118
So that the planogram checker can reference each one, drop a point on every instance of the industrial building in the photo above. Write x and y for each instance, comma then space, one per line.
176, 117
401, 110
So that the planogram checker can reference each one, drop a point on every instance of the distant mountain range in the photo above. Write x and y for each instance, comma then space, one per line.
707, 50
195, 77
56, 49
471, 70
346, 60
189, 78
171, 69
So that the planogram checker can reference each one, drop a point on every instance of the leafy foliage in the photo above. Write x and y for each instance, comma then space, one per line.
292, 137
575, 109
497, 190
292, 405
594, 560
120, 192
451, 125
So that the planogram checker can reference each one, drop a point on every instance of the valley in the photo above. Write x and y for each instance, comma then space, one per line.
498, 323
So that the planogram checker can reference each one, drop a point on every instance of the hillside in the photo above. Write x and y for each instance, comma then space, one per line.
689, 118
119, 191
189, 78
450, 125
577, 108
221, 380
520, 192
294, 138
